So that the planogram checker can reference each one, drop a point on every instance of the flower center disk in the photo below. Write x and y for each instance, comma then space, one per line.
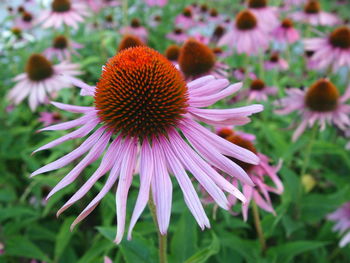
257, 3
196, 58
135, 23
340, 38
61, 5
312, 7
246, 144
129, 41
322, 96
140, 93
60, 42
38, 68
287, 23
257, 84
246, 20
172, 52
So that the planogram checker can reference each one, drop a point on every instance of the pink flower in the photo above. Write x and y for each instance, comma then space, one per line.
185, 19
40, 80
63, 12
341, 217
332, 51
246, 35
239, 74
259, 173
48, 118
142, 107
319, 103
178, 35
285, 32
267, 15
312, 14
62, 48
96, 5
136, 29
156, 2
196, 60
276, 62
25, 22
258, 91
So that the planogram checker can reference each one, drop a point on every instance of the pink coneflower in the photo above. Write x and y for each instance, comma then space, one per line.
142, 105
246, 35
185, 19
172, 53
218, 33
48, 118
342, 218
178, 35
333, 51
96, 6
40, 80
258, 91
63, 12
285, 32
62, 48
155, 20
25, 22
129, 41
197, 59
156, 2
276, 62
136, 29
240, 74
260, 174
312, 14
320, 103
267, 15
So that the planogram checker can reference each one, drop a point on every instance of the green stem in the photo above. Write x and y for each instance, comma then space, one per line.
261, 64
258, 227
125, 12
246, 72
308, 150
162, 239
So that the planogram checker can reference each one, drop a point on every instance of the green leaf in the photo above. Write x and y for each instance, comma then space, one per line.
138, 250
204, 254
16, 213
184, 241
286, 252
23, 247
63, 238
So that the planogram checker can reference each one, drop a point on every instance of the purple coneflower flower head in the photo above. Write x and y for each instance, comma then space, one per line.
67, 12
178, 35
26, 20
246, 35
156, 2
185, 19
172, 53
313, 14
62, 48
142, 107
196, 60
320, 103
259, 173
258, 91
240, 74
331, 51
341, 217
285, 32
48, 118
129, 41
136, 29
267, 15
218, 33
276, 62
41, 79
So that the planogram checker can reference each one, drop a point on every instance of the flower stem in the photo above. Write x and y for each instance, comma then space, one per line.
125, 12
162, 239
308, 150
261, 64
258, 227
